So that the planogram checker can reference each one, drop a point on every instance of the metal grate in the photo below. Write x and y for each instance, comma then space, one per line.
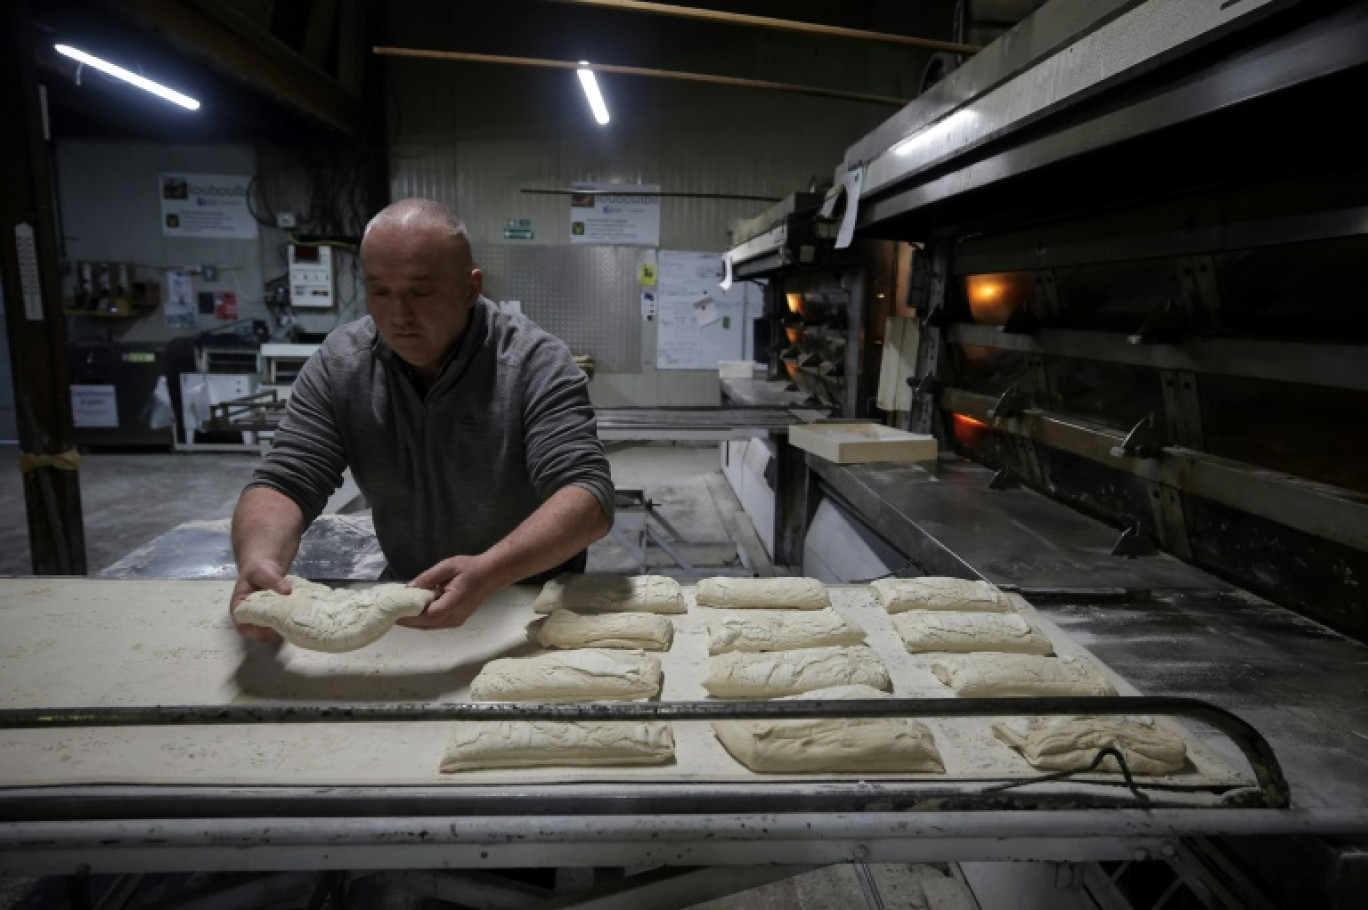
587, 296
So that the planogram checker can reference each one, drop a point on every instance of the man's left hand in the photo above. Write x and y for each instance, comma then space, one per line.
461, 583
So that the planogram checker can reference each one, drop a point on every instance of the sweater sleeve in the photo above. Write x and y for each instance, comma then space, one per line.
306, 459
560, 430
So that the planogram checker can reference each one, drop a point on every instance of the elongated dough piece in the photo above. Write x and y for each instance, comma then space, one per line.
738, 674
321, 618
568, 629
938, 592
775, 593
938, 630
611, 594
478, 744
989, 675
838, 744
779, 630
1072, 743
584, 674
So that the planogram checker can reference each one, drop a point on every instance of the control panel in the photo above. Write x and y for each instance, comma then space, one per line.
313, 282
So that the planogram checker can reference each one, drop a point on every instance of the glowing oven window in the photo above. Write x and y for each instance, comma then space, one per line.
994, 296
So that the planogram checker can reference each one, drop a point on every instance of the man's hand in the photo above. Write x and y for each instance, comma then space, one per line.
261, 576
462, 583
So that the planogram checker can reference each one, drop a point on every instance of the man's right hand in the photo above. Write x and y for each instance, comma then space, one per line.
260, 577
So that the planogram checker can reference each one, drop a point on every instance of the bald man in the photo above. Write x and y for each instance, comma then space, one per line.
468, 430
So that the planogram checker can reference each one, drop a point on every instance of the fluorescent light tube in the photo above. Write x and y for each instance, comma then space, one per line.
119, 72
591, 91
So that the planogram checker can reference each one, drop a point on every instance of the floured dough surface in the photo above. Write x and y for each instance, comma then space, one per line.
611, 594
740, 674
987, 675
938, 592
568, 629
938, 630
855, 745
321, 618
1071, 743
531, 743
584, 674
776, 593
779, 630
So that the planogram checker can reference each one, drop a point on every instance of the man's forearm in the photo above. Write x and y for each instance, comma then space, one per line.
267, 526
564, 525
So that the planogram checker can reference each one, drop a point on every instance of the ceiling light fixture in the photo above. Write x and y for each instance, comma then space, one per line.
119, 72
591, 91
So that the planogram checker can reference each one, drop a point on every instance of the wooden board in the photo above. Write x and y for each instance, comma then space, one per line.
856, 443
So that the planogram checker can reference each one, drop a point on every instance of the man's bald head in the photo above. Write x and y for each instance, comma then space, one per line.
422, 214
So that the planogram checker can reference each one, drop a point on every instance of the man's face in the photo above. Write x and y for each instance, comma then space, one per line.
420, 289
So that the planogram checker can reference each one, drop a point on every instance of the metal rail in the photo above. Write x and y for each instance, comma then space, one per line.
1256, 750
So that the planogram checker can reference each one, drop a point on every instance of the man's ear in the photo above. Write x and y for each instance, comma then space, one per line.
476, 285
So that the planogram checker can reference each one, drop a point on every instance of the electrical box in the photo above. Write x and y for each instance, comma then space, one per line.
313, 282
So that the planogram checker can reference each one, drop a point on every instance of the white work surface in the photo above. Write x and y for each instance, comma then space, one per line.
90, 642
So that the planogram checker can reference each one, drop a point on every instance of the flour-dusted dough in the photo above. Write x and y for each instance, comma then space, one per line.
739, 674
938, 630
584, 674
1071, 743
321, 618
988, 675
779, 630
938, 592
478, 744
846, 744
611, 594
568, 629
778, 593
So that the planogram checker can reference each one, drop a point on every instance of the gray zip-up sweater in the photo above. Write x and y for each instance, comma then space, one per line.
507, 424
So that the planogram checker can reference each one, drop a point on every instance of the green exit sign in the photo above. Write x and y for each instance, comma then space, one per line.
517, 233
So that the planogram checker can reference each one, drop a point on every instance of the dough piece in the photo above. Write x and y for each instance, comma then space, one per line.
937, 630
738, 674
1071, 743
853, 744
938, 592
779, 630
568, 629
780, 593
527, 743
989, 675
611, 594
321, 618
584, 674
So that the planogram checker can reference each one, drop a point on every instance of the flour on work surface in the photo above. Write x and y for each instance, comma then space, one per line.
321, 618
832, 744
988, 675
739, 674
777, 593
568, 629
611, 594
1072, 743
583, 674
938, 630
479, 744
779, 630
938, 592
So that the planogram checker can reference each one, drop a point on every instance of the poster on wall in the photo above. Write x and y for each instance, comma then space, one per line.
179, 308
627, 214
207, 206
699, 323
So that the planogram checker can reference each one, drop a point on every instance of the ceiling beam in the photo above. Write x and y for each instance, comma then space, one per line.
220, 34
788, 25
641, 71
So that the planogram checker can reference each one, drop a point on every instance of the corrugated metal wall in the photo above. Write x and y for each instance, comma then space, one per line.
477, 136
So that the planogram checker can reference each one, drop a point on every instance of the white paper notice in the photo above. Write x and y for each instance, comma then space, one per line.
852, 182
206, 206
699, 324
626, 214
94, 406
179, 309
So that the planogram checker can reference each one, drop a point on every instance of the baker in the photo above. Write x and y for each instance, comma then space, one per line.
467, 429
